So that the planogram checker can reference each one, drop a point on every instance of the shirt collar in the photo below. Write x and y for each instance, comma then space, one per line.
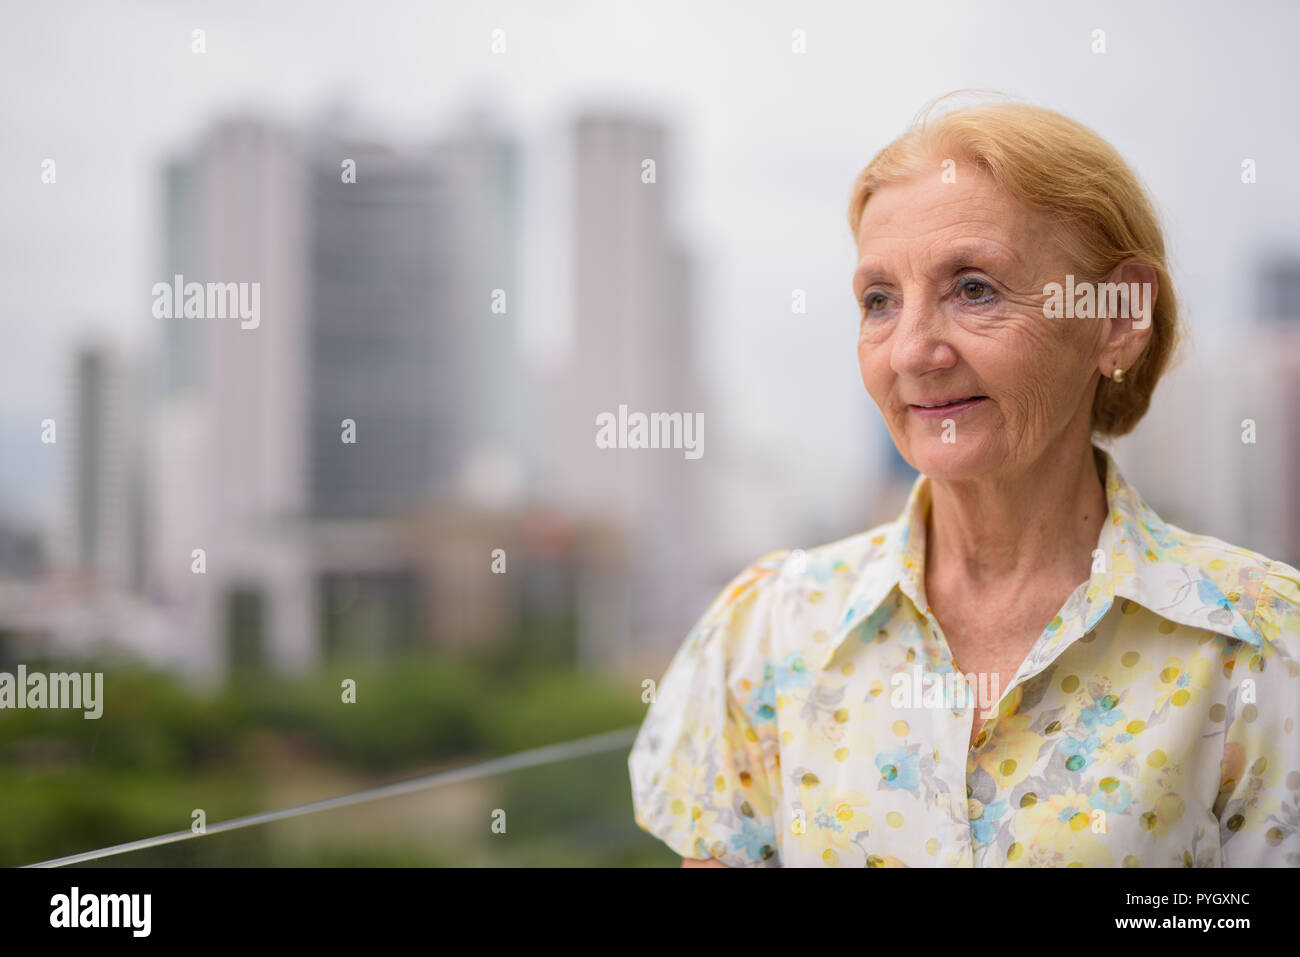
1142, 559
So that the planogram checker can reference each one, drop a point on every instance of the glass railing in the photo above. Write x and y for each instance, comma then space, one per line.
566, 805
442, 762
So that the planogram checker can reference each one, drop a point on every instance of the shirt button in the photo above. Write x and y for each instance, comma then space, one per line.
975, 809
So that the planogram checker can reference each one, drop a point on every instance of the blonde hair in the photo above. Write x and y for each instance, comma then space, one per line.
1057, 166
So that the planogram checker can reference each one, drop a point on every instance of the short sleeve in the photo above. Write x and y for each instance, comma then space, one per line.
1259, 798
705, 765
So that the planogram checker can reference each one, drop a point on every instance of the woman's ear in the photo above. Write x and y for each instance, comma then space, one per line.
1127, 301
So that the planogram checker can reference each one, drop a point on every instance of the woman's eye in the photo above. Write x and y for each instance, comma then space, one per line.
873, 302
974, 290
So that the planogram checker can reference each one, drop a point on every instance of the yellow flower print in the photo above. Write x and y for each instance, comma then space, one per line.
700, 820
1060, 823
696, 786
1013, 750
1127, 741
1121, 565
1181, 684
829, 822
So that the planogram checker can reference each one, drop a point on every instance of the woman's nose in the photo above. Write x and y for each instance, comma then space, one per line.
919, 343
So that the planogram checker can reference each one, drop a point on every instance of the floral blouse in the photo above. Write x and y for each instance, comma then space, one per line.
814, 715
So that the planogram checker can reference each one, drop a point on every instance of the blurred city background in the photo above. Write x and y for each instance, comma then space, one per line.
499, 270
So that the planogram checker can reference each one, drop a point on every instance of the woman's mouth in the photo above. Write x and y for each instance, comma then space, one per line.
943, 408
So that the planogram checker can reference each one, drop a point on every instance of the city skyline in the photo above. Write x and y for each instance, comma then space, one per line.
587, 213
784, 169
378, 275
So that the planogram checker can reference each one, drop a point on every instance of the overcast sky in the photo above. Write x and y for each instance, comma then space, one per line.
770, 140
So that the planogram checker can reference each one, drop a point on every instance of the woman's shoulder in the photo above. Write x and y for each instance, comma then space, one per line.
783, 604
789, 572
1264, 591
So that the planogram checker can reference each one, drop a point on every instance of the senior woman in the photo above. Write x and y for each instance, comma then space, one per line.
1028, 667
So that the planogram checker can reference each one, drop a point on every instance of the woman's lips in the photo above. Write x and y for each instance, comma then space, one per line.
947, 411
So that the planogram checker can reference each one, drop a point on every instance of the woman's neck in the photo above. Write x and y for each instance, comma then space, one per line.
993, 533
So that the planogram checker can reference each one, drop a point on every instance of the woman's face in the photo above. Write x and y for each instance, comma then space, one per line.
949, 285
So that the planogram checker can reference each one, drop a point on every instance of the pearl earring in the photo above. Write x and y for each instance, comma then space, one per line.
1118, 375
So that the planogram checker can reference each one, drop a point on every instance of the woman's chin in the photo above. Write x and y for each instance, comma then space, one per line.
949, 460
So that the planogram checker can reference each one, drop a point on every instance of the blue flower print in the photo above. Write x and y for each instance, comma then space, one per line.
1102, 711
826, 822
1209, 594
761, 706
792, 674
899, 769
984, 828
1078, 753
753, 837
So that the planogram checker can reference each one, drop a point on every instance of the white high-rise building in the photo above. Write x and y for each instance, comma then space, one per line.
632, 345
479, 174
228, 466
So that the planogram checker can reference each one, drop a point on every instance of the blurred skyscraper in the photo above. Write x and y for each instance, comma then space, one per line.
101, 435
375, 267
88, 597
381, 352
479, 176
633, 345
403, 337
229, 450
